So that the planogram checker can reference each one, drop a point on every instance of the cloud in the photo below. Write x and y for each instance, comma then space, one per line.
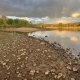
75, 15
39, 8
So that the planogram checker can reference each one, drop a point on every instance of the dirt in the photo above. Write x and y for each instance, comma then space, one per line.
26, 58
22, 29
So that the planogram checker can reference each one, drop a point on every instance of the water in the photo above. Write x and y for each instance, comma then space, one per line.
67, 39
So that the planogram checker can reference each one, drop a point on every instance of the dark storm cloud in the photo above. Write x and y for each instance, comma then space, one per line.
39, 8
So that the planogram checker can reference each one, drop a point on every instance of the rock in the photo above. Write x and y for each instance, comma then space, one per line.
46, 36
38, 49
72, 79
47, 72
23, 53
34, 64
68, 67
76, 62
55, 76
25, 79
52, 70
26, 58
19, 75
63, 76
32, 72
49, 56
69, 63
59, 75
75, 69
42, 43
46, 50
22, 65
37, 71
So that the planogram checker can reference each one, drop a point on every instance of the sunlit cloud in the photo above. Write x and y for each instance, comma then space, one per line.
73, 38
75, 15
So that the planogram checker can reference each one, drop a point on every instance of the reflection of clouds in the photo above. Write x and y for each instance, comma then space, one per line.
61, 33
38, 33
73, 38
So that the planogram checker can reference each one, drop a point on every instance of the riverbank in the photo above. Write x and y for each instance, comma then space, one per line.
26, 58
22, 29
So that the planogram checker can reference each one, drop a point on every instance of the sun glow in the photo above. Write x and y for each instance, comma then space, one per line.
75, 15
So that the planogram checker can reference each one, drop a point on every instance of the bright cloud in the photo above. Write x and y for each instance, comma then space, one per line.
75, 15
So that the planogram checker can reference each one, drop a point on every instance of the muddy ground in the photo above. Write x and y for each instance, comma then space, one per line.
26, 58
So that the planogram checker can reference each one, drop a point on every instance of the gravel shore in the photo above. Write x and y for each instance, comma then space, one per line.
26, 58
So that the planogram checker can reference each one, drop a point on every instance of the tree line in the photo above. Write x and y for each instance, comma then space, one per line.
6, 22
76, 24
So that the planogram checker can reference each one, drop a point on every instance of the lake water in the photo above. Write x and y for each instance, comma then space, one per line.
67, 39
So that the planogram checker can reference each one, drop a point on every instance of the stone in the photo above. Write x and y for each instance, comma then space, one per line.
26, 58
59, 75
46, 36
32, 72
68, 67
75, 69
37, 71
38, 49
72, 79
49, 56
19, 75
55, 76
47, 72
34, 64
52, 70
69, 63
42, 43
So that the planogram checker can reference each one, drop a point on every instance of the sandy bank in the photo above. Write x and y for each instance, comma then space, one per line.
22, 29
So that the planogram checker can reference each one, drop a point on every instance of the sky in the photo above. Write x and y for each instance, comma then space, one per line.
42, 11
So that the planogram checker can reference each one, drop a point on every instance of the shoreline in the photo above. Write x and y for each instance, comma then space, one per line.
22, 29
27, 58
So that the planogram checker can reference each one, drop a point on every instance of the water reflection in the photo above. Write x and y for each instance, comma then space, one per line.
73, 38
67, 39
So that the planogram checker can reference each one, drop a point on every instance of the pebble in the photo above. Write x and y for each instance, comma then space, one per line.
72, 79
38, 49
23, 54
52, 70
68, 67
59, 75
47, 72
19, 75
37, 71
34, 64
42, 43
26, 58
75, 69
55, 76
32, 72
